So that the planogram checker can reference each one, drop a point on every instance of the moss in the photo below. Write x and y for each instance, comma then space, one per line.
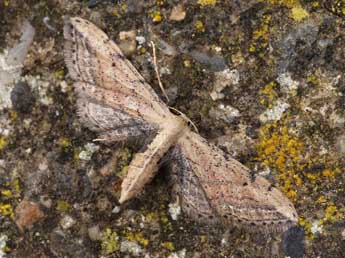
110, 242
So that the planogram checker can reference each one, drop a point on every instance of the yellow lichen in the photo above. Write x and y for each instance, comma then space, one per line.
269, 94
199, 26
138, 237
3, 142
260, 37
110, 242
156, 16
207, 2
332, 214
168, 245
62, 206
7, 210
64, 142
59, 74
298, 13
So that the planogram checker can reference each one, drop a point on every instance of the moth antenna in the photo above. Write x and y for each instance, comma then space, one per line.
186, 118
156, 70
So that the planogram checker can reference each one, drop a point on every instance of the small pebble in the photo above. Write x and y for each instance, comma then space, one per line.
293, 242
95, 233
67, 222
178, 13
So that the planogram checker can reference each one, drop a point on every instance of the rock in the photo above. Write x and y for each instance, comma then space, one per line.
214, 62
340, 143
343, 234
11, 64
27, 213
134, 6
94, 233
22, 98
67, 222
293, 242
46, 201
128, 43
178, 13
116, 209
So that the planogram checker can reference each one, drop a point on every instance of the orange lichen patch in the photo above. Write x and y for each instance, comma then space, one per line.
299, 169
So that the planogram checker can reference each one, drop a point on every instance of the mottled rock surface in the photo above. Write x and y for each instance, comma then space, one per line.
263, 79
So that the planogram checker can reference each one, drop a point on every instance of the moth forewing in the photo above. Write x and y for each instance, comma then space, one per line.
94, 59
145, 164
233, 197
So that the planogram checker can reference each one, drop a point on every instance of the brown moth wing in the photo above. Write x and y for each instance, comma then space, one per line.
115, 101
227, 192
94, 59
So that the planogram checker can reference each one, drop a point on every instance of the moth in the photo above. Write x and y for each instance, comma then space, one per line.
115, 101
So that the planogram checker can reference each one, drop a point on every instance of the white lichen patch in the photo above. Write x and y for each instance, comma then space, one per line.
275, 113
88, 151
174, 210
40, 86
316, 228
3, 239
131, 247
224, 79
179, 254
287, 84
